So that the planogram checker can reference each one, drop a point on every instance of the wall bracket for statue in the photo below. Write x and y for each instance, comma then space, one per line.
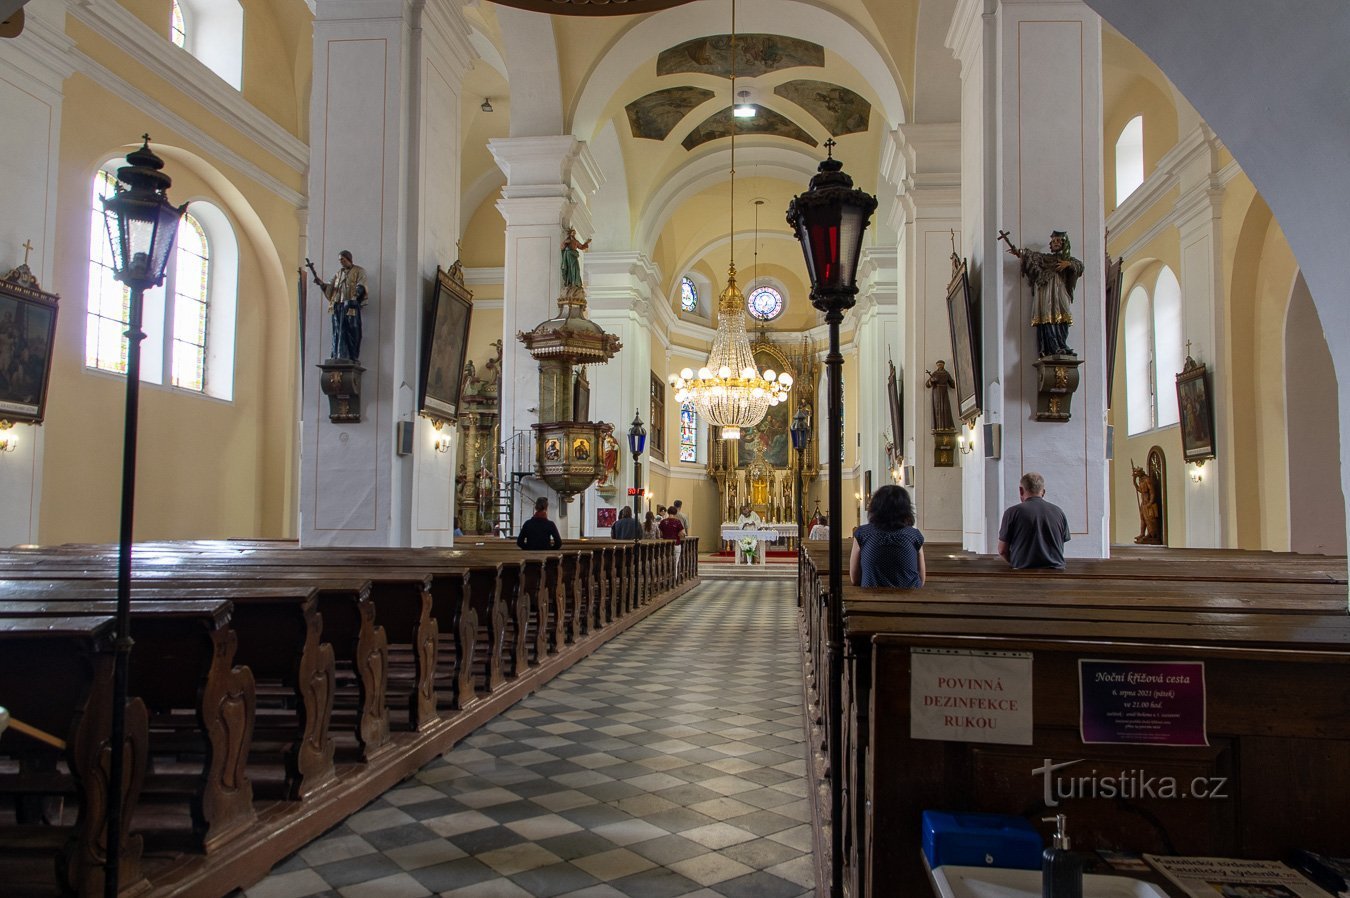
1056, 381
341, 383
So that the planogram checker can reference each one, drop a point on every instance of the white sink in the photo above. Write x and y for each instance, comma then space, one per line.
1000, 882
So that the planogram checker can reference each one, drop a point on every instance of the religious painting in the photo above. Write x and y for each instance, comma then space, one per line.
27, 333
605, 517
895, 398
1197, 412
1114, 275
445, 344
773, 435
837, 108
552, 450
756, 54
581, 450
961, 319
719, 125
655, 115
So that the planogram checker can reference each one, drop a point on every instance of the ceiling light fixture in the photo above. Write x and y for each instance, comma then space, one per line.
486, 105
744, 109
729, 392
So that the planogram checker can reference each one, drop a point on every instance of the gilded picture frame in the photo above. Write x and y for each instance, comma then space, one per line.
27, 338
1196, 405
445, 343
962, 321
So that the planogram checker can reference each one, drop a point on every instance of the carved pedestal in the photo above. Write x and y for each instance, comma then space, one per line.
944, 448
1056, 380
341, 383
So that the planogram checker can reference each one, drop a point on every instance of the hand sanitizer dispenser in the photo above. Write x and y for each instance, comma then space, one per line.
1061, 869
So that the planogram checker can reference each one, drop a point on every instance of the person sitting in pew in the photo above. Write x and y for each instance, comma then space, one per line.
1034, 531
539, 533
888, 549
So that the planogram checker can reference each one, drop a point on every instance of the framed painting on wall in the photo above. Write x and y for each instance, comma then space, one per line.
445, 343
27, 334
1196, 404
961, 318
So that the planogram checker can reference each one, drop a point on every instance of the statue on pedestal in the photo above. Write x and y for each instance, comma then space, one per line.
1052, 276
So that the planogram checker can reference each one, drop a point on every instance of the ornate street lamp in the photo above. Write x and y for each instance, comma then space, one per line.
829, 219
142, 226
637, 441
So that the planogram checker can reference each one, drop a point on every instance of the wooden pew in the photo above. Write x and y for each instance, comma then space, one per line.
56, 675
184, 661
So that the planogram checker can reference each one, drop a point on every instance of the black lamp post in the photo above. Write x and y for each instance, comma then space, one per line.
637, 441
142, 226
829, 219
801, 436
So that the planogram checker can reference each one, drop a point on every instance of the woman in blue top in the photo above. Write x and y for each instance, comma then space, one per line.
887, 550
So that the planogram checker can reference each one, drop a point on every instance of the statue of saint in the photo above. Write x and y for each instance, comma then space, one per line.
940, 382
572, 249
1052, 276
1146, 484
346, 294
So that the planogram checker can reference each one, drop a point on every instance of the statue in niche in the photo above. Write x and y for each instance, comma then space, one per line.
1148, 489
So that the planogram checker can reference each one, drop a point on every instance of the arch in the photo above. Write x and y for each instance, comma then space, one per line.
1313, 432
790, 18
531, 54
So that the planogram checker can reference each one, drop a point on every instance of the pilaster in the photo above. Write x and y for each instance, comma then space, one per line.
1031, 154
33, 69
383, 184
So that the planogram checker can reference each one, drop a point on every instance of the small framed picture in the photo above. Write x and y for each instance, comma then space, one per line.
1196, 404
27, 333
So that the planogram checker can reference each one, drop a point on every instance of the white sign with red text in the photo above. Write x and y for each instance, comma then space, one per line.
964, 696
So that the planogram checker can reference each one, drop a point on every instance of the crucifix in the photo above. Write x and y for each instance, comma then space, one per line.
27, 248
829, 147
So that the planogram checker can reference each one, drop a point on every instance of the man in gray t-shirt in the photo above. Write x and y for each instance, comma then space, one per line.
1033, 531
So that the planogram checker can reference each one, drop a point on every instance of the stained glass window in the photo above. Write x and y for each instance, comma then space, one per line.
688, 433
764, 303
177, 31
105, 342
688, 296
191, 278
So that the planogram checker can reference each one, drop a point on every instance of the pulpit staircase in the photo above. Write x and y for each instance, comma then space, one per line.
516, 464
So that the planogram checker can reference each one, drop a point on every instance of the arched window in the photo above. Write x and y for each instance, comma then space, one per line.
688, 432
688, 295
1129, 158
188, 323
1153, 354
177, 30
764, 303
212, 31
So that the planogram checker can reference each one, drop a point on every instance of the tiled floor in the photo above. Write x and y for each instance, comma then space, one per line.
670, 763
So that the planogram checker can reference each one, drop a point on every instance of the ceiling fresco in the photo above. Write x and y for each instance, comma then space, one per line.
756, 54
839, 109
592, 7
656, 115
719, 125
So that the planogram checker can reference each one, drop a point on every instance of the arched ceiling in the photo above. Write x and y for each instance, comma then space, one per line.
654, 91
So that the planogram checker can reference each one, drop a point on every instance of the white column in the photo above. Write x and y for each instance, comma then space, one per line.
1031, 156
1198, 214
877, 337
384, 184
33, 69
621, 289
923, 162
548, 182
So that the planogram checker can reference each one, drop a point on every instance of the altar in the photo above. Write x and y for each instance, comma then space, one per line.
733, 533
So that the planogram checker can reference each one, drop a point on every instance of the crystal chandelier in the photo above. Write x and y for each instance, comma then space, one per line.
729, 391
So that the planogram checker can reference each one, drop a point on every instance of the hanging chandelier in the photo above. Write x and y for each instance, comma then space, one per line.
729, 391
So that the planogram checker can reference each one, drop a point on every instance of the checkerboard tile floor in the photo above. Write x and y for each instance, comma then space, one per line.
669, 764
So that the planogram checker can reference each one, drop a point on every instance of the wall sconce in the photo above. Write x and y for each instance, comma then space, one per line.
1197, 475
8, 441
442, 441
486, 105
965, 444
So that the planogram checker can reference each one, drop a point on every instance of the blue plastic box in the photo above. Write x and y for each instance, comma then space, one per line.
980, 840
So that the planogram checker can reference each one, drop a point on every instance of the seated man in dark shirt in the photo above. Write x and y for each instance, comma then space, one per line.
539, 532
1034, 531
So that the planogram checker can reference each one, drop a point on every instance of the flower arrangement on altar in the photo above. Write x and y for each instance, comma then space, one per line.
749, 547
